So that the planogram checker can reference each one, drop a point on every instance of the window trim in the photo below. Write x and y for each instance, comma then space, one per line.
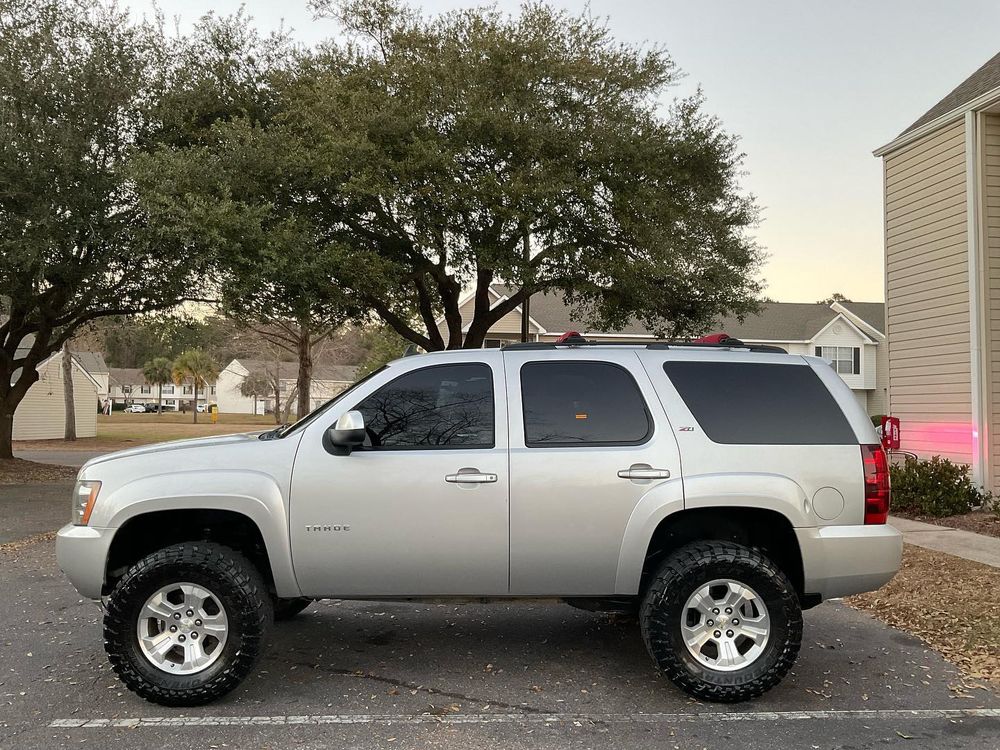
650, 423
855, 358
468, 447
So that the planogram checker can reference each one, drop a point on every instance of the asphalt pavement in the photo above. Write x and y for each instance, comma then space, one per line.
512, 675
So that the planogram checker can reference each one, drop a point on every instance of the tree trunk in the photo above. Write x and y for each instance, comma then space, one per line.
6, 431
304, 380
68, 397
159, 399
194, 409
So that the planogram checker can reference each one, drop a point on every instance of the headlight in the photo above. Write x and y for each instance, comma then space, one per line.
84, 497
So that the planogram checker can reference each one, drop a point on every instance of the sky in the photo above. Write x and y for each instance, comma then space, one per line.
811, 88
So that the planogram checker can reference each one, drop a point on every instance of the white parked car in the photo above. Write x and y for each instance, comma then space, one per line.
135, 409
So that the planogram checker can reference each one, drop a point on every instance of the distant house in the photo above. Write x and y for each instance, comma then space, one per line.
851, 335
327, 382
41, 415
97, 368
128, 386
942, 248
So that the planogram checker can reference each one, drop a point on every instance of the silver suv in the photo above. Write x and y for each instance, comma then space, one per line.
715, 491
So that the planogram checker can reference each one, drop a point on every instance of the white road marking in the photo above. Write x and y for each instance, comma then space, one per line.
520, 718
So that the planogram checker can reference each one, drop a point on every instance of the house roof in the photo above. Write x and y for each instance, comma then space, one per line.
777, 321
290, 370
92, 362
984, 80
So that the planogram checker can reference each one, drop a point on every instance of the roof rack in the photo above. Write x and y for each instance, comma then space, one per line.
715, 341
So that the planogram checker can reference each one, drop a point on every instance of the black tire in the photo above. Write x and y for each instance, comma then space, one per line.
286, 609
683, 573
239, 588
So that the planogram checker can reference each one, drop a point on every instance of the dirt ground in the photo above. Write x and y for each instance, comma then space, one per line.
19, 471
948, 602
978, 521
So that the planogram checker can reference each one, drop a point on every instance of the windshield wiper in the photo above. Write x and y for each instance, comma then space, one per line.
273, 434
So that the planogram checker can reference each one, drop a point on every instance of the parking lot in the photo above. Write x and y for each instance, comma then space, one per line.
403, 674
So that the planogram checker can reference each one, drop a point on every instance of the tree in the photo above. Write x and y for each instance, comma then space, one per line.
275, 263
384, 345
78, 85
158, 371
69, 400
199, 368
835, 297
438, 144
255, 385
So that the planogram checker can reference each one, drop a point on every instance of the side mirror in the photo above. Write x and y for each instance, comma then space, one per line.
348, 432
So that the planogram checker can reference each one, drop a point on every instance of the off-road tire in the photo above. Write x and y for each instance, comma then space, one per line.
286, 609
231, 578
680, 575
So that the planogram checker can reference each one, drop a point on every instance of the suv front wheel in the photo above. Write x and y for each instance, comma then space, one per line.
721, 621
186, 623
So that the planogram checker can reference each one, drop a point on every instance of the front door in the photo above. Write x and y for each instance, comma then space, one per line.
422, 508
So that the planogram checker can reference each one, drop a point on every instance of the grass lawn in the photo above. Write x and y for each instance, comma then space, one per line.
948, 602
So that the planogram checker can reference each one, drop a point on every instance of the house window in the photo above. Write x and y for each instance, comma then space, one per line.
846, 360
492, 343
211, 390
145, 389
168, 389
188, 389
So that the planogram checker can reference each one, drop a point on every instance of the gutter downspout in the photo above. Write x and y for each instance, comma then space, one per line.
972, 202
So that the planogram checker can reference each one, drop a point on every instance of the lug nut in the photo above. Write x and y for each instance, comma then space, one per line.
173, 628
181, 638
715, 611
194, 636
177, 615
718, 634
729, 610
729, 633
711, 623
198, 623
735, 621
190, 613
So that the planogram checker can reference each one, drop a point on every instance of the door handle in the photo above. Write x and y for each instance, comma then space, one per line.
643, 471
471, 476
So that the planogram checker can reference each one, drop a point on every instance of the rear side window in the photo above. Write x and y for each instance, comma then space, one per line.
582, 403
760, 403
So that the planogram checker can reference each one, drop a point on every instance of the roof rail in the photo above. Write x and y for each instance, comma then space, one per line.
726, 344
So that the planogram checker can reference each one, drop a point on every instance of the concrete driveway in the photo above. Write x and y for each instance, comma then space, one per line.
520, 675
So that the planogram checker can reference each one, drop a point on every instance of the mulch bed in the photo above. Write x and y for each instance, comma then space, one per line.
977, 521
19, 471
948, 602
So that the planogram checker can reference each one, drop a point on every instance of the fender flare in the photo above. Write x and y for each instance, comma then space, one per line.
254, 495
772, 492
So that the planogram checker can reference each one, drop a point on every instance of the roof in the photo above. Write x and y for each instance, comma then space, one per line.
92, 362
126, 376
777, 321
290, 370
984, 80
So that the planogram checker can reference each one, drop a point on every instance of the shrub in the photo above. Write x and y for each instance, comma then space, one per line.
935, 488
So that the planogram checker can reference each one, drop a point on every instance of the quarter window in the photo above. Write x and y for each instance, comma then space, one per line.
760, 403
446, 406
582, 403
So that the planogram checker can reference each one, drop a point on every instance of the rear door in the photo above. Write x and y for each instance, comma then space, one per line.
588, 440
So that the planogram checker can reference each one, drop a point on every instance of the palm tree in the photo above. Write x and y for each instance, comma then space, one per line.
254, 385
158, 371
196, 365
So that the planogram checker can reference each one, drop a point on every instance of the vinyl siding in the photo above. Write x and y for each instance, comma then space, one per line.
991, 252
927, 296
41, 415
509, 324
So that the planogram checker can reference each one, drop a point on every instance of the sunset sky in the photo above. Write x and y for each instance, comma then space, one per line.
811, 88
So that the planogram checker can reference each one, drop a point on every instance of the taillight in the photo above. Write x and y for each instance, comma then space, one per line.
876, 466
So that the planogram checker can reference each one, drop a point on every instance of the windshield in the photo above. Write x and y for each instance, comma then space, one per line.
320, 409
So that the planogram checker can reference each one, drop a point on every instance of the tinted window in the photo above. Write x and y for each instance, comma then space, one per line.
758, 403
581, 403
436, 407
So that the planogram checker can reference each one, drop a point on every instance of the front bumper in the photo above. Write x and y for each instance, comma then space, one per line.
82, 552
843, 560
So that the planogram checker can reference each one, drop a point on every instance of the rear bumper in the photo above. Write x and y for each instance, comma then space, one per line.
82, 553
844, 560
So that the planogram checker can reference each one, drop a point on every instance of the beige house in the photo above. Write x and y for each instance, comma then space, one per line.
41, 415
128, 386
942, 245
327, 381
851, 335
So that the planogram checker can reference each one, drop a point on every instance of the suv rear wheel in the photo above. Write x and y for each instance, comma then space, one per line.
186, 624
721, 621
